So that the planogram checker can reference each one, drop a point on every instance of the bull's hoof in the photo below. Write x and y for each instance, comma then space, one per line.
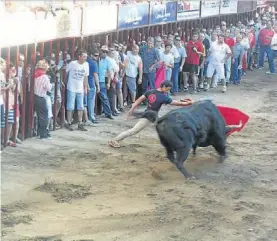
191, 178
221, 159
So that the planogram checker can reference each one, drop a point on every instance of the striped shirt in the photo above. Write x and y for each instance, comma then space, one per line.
42, 85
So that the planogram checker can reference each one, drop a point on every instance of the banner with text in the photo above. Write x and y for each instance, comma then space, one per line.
188, 9
209, 8
163, 12
245, 6
133, 16
99, 19
228, 6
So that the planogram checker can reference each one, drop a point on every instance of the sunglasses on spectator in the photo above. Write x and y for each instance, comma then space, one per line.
96, 55
105, 52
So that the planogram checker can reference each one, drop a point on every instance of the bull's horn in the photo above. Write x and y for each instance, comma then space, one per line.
235, 126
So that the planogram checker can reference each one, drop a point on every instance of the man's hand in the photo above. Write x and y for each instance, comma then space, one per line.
128, 115
85, 91
139, 81
233, 61
108, 86
97, 89
181, 69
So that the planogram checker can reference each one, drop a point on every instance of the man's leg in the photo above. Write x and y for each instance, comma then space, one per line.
221, 76
70, 105
210, 72
42, 113
131, 84
111, 97
269, 53
141, 124
228, 64
91, 104
261, 56
185, 77
119, 95
145, 82
80, 109
151, 79
235, 71
175, 75
105, 102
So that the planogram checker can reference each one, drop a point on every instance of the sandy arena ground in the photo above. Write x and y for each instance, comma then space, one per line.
75, 187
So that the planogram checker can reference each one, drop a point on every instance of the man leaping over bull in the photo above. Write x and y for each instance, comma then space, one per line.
156, 98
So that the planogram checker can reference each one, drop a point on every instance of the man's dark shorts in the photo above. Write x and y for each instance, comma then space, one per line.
191, 68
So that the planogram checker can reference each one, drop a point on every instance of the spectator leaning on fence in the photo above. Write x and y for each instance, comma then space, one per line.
77, 86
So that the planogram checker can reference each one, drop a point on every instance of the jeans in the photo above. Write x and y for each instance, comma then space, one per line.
168, 74
228, 64
175, 75
91, 104
236, 72
42, 113
148, 79
269, 52
111, 96
104, 99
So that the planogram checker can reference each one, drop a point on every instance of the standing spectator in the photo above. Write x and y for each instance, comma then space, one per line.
238, 51
252, 43
181, 61
77, 87
105, 68
114, 76
230, 42
93, 82
168, 61
158, 45
150, 58
223, 27
246, 44
41, 87
274, 42
194, 50
265, 37
219, 53
202, 60
132, 67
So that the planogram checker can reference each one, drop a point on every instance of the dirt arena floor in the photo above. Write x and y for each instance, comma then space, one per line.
75, 187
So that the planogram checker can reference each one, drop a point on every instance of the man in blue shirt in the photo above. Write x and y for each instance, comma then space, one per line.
93, 81
150, 57
104, 68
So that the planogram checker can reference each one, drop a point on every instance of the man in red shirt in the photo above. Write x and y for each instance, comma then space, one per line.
194, 50
228, 62
265, 37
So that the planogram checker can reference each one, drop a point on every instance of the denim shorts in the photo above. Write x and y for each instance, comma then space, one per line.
131, 83
119, 84
73, 97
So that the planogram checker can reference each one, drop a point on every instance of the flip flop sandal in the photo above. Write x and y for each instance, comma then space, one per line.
12, 144
114, 144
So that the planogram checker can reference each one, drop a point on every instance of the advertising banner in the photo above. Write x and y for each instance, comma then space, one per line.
228, 6
133, 16
245, 6
17, 28
188, 9
64, 24
209, 8
163, 12
261, 3
99, 19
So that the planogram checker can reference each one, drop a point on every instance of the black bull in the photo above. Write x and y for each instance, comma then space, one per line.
200, 124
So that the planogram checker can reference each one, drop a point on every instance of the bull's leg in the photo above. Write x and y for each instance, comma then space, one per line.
169, 150
194, 149
220, 147
182, 155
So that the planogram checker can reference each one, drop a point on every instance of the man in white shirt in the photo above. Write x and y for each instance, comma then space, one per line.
168, 61
77, 86
219, 52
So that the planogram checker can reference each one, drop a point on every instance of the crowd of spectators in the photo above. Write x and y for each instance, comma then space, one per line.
200, 62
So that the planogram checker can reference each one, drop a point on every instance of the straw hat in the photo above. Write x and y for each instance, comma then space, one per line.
42, 64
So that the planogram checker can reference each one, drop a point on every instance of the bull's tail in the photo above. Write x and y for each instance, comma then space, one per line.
231, 127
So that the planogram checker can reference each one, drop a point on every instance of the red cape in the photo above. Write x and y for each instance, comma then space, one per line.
233, 117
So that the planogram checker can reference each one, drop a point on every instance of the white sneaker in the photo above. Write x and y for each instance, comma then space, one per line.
207, 87
224, 89
201, 86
